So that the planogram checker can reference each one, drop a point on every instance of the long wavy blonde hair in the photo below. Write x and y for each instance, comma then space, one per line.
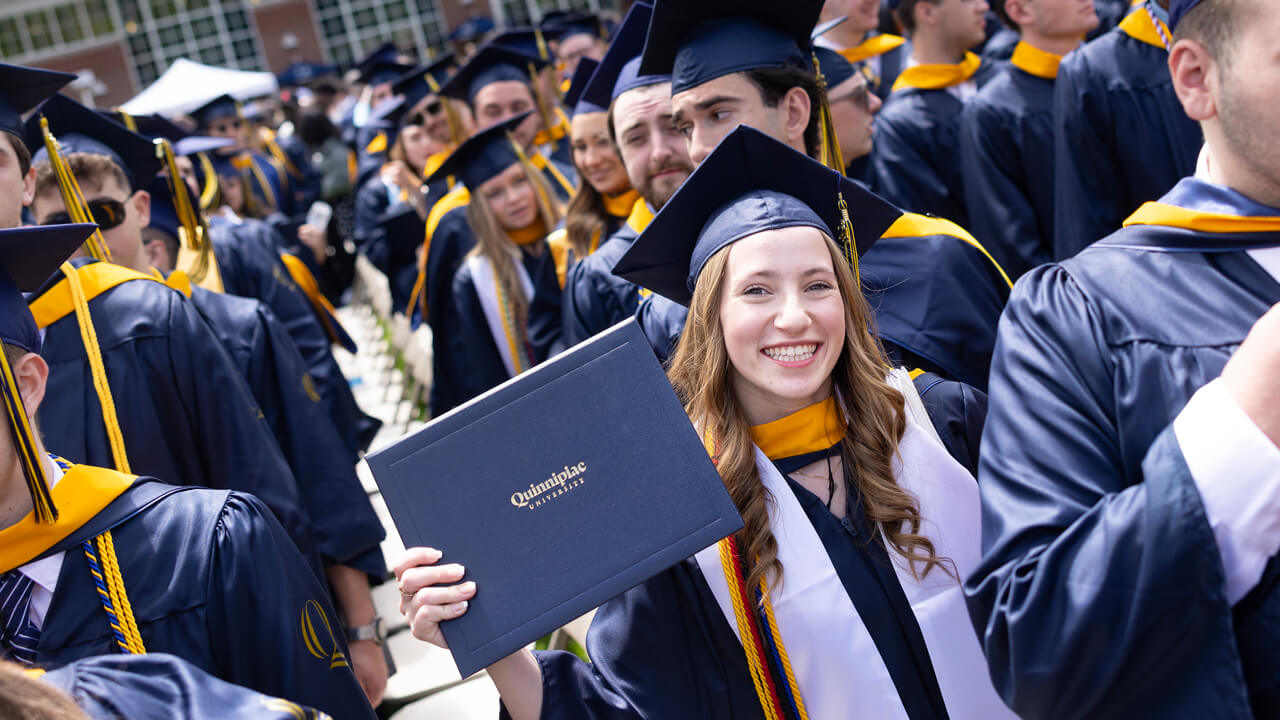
493, 242
701, 373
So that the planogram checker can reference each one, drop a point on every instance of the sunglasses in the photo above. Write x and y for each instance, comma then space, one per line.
859, 96
227, 126
431, 110
106, 212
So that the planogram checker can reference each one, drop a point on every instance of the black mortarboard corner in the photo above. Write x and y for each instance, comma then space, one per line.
22, 88
528, 40
483, 155
696, 42
158, 126
1178, 10
619, 69
29, 255
492, 63
749, 184
223, 106
573, 99
834, 67
574, 24
382, 65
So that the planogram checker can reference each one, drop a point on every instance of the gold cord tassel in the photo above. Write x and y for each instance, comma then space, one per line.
209, 194
850, 241
98, 370
25, 443
450, 112
193, 232
543, 110
72, 197
831, 156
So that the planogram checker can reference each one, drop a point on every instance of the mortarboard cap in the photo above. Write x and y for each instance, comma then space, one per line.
22, 88
422, 81
382, 65
1178, 10
573, 99
471, 29
79, 129
158, 126
749, 184
697, 42
619, 69
835, 68
223, 106
28, 256
574, 24
482, 156
528, 40
301, 72
491, 63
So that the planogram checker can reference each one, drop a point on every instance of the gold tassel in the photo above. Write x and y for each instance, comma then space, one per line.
72, 197
850, 241
450, 112
25, 443
541, 102
193, 232
831, 156
209, 194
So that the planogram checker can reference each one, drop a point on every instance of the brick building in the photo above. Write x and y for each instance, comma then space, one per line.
126, 44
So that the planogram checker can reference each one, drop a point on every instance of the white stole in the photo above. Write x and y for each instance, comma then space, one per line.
836, 664
485, 282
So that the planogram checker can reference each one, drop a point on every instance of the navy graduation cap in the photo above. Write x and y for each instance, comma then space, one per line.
491, 63
570, 24
423, 80
382, 65
302, 72
528, 40
620, 68
1178, 9
22, 88
697, 42
28, 256
223, 106
749, 184
573, 98
158, 126
483, 155
79, 129
471, 29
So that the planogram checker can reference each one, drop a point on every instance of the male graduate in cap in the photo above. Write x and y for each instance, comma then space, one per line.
377, 70
1130, 470
21, 89
881, 56
656, 161
1122, 139
267, 180
916, 161
576, 36
936, 292
98, 562
1006, 133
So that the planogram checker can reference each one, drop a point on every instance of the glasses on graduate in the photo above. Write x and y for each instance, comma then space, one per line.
106, 212
227, 126
859, 96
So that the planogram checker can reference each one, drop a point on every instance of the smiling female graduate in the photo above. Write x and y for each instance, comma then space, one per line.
504, 315
840, 596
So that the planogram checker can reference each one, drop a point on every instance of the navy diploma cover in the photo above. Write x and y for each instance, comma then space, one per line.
557, 490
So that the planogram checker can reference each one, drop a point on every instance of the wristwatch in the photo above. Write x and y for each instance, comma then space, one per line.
375, 631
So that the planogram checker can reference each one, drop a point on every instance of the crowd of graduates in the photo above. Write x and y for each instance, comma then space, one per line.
883, 248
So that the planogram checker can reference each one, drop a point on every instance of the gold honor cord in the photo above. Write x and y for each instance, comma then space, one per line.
128, 120
450, 112
25, 443
193, 233
850, 241
209, 194
544, 111
831, 156
72, 197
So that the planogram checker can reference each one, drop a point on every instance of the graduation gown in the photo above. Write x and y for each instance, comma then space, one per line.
475, 364
1122, 137
183, 407
1101, 592
251, 267
233, 597
594, 298
1006, 156
915, 162
346, 529
450, 242
159, 686
389, 234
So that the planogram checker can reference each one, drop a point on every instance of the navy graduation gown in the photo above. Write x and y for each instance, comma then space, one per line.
159, 686
304, 179
594, 298
251, 267
1101, 592
184, 410
346, 529
472, 356
915, 162
450, 243
390, 234
212, 579
1006, 155
665, 650
1122, 137
372, 201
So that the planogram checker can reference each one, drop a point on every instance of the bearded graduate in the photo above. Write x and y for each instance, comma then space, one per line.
841, 594
604, 199
504, 313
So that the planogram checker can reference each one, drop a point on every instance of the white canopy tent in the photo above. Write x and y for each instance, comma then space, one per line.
187, 85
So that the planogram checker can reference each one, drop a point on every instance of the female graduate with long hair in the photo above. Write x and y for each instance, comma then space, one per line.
504, 317
605, 197
841, 595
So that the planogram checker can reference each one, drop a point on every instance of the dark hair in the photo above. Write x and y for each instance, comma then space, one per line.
20, 151
584, 217
997, 6
775, 83
1212, 23
315, 128
906, 13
